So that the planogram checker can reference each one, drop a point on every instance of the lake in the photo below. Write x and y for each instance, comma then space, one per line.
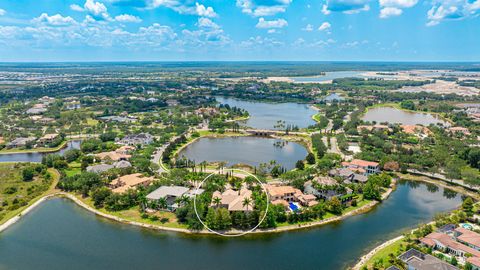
397, 116
37, 157
329, 76
245, 150
265, 115
59, 234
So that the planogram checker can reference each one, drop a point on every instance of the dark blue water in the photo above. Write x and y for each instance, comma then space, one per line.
60, 235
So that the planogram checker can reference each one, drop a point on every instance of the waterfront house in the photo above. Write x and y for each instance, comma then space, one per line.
362, 166
467, 237
323, 187
48, 139
233, 200
171, 194
459, 130
130, 181
416, 260
279, 194
448, 244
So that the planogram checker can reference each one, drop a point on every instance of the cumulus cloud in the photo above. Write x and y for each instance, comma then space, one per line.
205, 11
2, 12
345, 6
279, 23
96, 8
207, 23
54, 20
127, 18
390, 8
324, 26
452, 10
258, 8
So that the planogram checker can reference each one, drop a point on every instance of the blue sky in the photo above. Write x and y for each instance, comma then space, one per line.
156, 30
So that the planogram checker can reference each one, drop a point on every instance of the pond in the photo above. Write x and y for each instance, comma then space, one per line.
59, 233
265, 115
37, 157
245, 150
397, 116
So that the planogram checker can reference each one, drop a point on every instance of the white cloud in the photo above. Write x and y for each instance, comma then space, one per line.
308, 28
279, 23
263, 8
390, 8
205, 11
76, 7
206, 22
95, 8
2, 12
390, 12
324, 26
54, 20
452, 10
259, 43
127, 18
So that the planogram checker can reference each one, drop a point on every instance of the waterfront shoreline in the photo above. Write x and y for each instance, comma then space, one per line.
293, 227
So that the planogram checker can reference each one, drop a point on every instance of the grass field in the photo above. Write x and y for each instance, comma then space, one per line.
16, 194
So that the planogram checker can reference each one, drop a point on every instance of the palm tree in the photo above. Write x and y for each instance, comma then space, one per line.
246, 202
162, 203
217, 201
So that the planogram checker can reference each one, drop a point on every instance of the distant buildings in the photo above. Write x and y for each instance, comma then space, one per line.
20, 142
100, 168
137, 139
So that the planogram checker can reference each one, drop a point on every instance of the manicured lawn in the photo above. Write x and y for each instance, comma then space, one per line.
73, 169
395, 248
133, 214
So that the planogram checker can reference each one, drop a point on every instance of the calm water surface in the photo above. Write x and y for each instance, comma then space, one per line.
37, 157
396, 116
60, 235
329, 76
245, 150
265, 115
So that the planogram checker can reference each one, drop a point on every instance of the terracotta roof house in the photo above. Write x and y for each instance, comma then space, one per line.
416, 260
47, 139
233, 200
417, 130
130, 181
445, 242
290, 194
462, 130
467, 237
475, 262
362, 166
